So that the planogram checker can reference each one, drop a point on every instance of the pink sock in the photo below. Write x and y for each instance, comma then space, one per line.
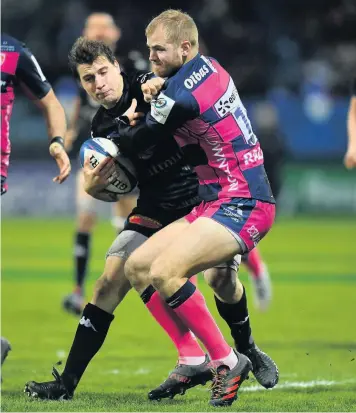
188, 348
195, 314
254, 263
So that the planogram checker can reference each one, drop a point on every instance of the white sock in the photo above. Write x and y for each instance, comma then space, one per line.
230, 360
192, 361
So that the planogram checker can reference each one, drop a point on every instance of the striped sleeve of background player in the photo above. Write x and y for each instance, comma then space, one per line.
168, 112
30, 74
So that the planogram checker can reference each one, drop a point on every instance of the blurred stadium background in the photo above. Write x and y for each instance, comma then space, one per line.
292, 62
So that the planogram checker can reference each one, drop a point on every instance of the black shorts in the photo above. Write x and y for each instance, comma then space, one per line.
148, 220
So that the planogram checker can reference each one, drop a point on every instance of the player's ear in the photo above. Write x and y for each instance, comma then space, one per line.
186, 46
116, 64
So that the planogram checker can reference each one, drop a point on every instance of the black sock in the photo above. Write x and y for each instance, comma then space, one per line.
237, 318
90, 336
82, 252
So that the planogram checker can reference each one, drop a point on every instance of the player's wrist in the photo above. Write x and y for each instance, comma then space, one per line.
58, 140
123, 120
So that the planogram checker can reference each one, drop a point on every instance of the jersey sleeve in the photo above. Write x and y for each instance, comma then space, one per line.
30, 73
168, 112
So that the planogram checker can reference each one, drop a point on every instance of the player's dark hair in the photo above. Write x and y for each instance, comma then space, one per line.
86, 51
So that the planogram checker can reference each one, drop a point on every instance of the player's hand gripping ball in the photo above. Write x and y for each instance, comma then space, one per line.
124, 179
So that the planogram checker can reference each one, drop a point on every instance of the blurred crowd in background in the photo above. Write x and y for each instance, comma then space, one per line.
292, 61
264, 44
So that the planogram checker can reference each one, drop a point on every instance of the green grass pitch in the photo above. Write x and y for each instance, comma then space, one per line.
309, 330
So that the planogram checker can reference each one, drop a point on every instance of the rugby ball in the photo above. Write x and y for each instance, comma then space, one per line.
99, 148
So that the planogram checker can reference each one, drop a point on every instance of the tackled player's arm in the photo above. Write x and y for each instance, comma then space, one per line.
167, 114
350, 156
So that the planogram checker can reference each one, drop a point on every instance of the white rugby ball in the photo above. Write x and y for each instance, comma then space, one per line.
99, 148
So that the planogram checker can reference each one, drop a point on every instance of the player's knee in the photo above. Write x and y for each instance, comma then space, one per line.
86, 221
136, 271
221, 278
159, 274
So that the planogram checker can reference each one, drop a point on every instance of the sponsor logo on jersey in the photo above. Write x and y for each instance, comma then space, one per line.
254, 156
254, 234
160, 103
233, 212
161, 108
209, 63
223, 164
165, 164
144, 221
196, 77
229, 101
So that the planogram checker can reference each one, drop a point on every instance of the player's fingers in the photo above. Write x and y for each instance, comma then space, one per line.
155, 90
86, 162
65, 172
147, 97
138, 115
108, 170
102, 164
145, 89
133, 105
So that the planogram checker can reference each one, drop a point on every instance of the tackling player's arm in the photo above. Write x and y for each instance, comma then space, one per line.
350, 156
167, 114
32, 80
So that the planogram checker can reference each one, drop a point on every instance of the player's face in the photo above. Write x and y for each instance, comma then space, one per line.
166, 58
101, 27
102, 81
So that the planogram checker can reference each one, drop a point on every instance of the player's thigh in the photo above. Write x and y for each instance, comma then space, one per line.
142, 257
203, 244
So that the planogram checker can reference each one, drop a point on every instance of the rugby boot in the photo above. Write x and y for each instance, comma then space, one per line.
5, 348
74, 303
226, 381
182, 378
263, 367
49, 390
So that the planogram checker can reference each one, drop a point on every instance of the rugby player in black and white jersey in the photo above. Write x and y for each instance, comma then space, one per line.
98, 26
168, 190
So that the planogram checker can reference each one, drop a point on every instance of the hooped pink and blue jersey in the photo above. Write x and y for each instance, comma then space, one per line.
200, 105
18, 66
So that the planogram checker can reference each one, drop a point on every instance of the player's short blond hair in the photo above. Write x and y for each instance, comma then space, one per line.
179, 26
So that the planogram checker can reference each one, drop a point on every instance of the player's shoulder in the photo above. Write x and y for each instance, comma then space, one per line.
97, 120
192, 75
10, 44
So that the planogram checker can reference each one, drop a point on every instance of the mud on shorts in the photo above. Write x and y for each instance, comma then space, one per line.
143, 223
248, 220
